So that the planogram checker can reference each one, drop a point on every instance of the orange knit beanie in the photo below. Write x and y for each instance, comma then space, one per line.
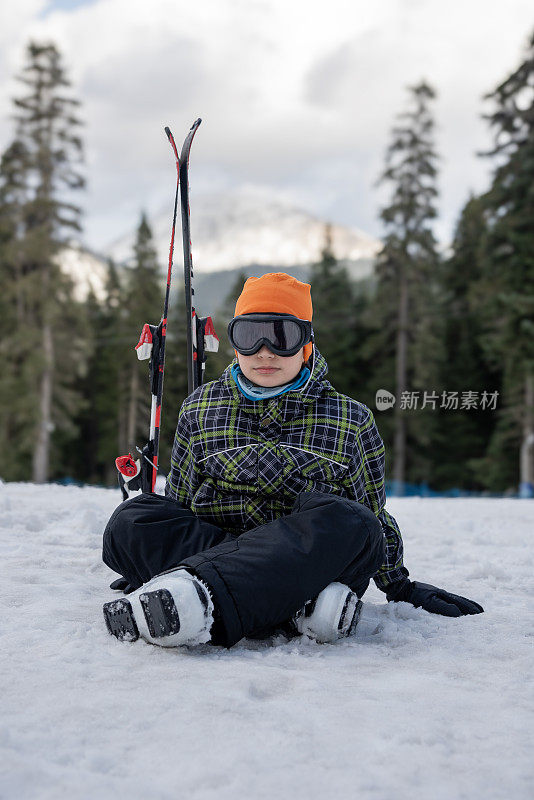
277, 293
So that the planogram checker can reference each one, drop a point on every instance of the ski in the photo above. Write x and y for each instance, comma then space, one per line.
201, 336
141, 473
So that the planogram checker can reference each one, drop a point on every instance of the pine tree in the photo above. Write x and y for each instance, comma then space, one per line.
406, 312
113, 352
39, 178
462, 435
144, 303
509, 282
333, 315
358, 369
11, 414
102, 384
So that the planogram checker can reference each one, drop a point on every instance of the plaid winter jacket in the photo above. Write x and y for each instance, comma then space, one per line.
239, 463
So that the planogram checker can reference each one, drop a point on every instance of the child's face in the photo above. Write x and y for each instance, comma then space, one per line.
267, 369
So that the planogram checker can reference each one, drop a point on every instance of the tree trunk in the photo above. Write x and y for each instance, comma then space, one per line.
526, 463
399, 446
41, 453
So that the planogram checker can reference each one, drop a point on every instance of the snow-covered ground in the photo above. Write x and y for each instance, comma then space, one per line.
412, 706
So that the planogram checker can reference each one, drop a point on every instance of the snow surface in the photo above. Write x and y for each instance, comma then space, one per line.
414, 705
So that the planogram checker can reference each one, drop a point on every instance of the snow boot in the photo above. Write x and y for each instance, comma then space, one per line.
172, 609
332, 615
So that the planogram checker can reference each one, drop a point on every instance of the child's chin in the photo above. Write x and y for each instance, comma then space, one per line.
267, 381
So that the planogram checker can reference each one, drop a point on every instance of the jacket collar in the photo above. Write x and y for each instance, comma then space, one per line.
288, 404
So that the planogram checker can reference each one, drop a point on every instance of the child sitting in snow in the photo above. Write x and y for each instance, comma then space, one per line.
273, 515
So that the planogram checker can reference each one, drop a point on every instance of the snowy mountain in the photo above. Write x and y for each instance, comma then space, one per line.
249, 226
87, 270
247, 229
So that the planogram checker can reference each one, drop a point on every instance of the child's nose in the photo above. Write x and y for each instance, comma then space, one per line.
265, 352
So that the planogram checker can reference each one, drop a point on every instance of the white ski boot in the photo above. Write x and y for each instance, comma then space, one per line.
332, 615
173, 609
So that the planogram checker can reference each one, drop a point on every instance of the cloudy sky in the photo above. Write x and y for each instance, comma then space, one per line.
296, 96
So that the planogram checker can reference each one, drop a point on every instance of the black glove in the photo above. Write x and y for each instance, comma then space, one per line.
437, 601
121, 585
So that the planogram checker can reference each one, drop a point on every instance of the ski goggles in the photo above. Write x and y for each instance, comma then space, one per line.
283, 334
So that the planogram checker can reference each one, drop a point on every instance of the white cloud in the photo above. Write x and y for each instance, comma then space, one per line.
294, 94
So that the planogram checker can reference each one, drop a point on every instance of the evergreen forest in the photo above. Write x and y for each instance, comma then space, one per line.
449, 334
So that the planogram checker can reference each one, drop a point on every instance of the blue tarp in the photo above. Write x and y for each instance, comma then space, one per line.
400, 489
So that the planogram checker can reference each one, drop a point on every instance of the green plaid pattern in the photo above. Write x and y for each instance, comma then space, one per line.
239, 463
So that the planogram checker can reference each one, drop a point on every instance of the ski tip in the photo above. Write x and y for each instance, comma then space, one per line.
196, 123
168, 132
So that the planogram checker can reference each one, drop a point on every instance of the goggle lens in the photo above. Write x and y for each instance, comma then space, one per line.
283, 334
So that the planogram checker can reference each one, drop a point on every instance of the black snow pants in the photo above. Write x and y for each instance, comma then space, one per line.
262, 577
